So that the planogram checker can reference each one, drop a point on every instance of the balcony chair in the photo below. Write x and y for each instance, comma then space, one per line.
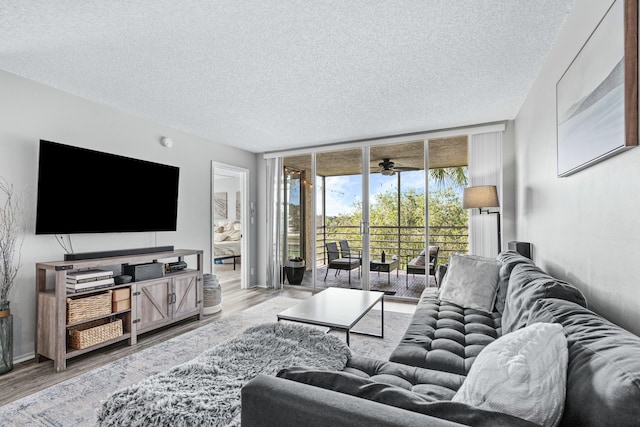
418, 264
337, 263
346, 251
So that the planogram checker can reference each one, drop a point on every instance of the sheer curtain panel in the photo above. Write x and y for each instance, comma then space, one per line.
274, 218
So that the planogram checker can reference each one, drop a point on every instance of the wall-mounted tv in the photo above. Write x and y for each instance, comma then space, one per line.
88, 191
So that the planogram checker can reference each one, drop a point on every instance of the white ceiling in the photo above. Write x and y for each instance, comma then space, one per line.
265, 75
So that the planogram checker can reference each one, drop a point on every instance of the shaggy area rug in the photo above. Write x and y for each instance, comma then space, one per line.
206, 390
60, 405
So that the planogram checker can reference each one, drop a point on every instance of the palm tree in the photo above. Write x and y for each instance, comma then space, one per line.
455, 177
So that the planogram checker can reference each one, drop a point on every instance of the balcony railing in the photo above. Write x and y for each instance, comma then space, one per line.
404, 241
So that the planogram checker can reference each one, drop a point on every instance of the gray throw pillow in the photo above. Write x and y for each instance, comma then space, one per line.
471, 282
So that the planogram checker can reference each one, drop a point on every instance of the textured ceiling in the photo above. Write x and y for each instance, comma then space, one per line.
274, 74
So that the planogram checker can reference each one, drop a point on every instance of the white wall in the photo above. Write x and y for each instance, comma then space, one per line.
585, 227
229, 186
30, 111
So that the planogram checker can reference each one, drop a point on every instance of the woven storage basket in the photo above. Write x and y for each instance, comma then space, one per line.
212, 301
84, 308
95, 332
212, 297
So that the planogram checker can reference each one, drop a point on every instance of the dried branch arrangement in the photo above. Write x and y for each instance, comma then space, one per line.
11, 222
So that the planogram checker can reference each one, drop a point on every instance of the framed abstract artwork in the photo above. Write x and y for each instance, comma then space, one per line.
219, 206
238, 206
597, 96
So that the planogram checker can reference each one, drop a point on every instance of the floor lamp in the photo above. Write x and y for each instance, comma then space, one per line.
483, 197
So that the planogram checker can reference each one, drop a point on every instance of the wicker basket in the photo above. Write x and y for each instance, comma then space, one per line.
84, 308
95, 332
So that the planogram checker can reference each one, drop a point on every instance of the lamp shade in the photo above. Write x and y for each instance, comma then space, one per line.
482, 196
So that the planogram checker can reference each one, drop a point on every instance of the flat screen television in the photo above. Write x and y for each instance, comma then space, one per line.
88, 191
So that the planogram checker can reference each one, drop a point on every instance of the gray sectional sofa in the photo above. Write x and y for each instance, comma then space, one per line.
434, 358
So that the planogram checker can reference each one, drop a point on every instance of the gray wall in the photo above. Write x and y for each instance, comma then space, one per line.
30, 111
584, 227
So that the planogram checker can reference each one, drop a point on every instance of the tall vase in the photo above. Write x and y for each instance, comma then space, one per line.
6, 338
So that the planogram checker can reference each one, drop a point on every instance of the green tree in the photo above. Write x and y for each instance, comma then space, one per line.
447, 221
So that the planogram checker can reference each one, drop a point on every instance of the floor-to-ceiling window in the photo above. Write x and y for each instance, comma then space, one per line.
396, 214
398, 197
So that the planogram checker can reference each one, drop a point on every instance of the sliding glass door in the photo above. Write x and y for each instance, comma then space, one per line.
339, 219
361, 217
397, 215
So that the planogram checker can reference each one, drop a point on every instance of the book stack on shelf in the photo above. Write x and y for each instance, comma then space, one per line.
88, 280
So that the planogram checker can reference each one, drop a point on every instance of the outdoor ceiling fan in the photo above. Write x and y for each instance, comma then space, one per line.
388, 168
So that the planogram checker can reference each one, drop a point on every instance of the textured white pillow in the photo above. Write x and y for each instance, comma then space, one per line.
522, 373
220, 237
234, 235
471, 282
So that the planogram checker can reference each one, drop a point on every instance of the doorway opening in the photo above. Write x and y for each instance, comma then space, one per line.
229, 228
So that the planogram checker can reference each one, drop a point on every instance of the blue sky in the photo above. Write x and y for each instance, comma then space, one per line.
344, 191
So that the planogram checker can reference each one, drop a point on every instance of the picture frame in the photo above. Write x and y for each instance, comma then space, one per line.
238, 206
597, 96
219, 206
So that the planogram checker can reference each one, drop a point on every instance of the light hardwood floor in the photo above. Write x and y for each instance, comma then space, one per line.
29, 377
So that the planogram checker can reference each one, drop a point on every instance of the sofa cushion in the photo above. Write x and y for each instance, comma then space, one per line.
444, 336
603, 377
522, 373
367, 388
527, 284
471, 282
507, 260
437, 384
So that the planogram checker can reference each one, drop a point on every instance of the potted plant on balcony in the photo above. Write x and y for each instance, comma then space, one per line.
10, 245
294, 269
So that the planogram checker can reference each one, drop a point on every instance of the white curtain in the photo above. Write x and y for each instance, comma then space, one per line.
274, 226
485, 168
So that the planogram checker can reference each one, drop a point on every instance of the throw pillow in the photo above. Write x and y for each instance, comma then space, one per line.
234, 235
471, 282
522, 374
220, 237
420, 260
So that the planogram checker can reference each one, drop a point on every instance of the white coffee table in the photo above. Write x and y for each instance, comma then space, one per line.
337, 308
